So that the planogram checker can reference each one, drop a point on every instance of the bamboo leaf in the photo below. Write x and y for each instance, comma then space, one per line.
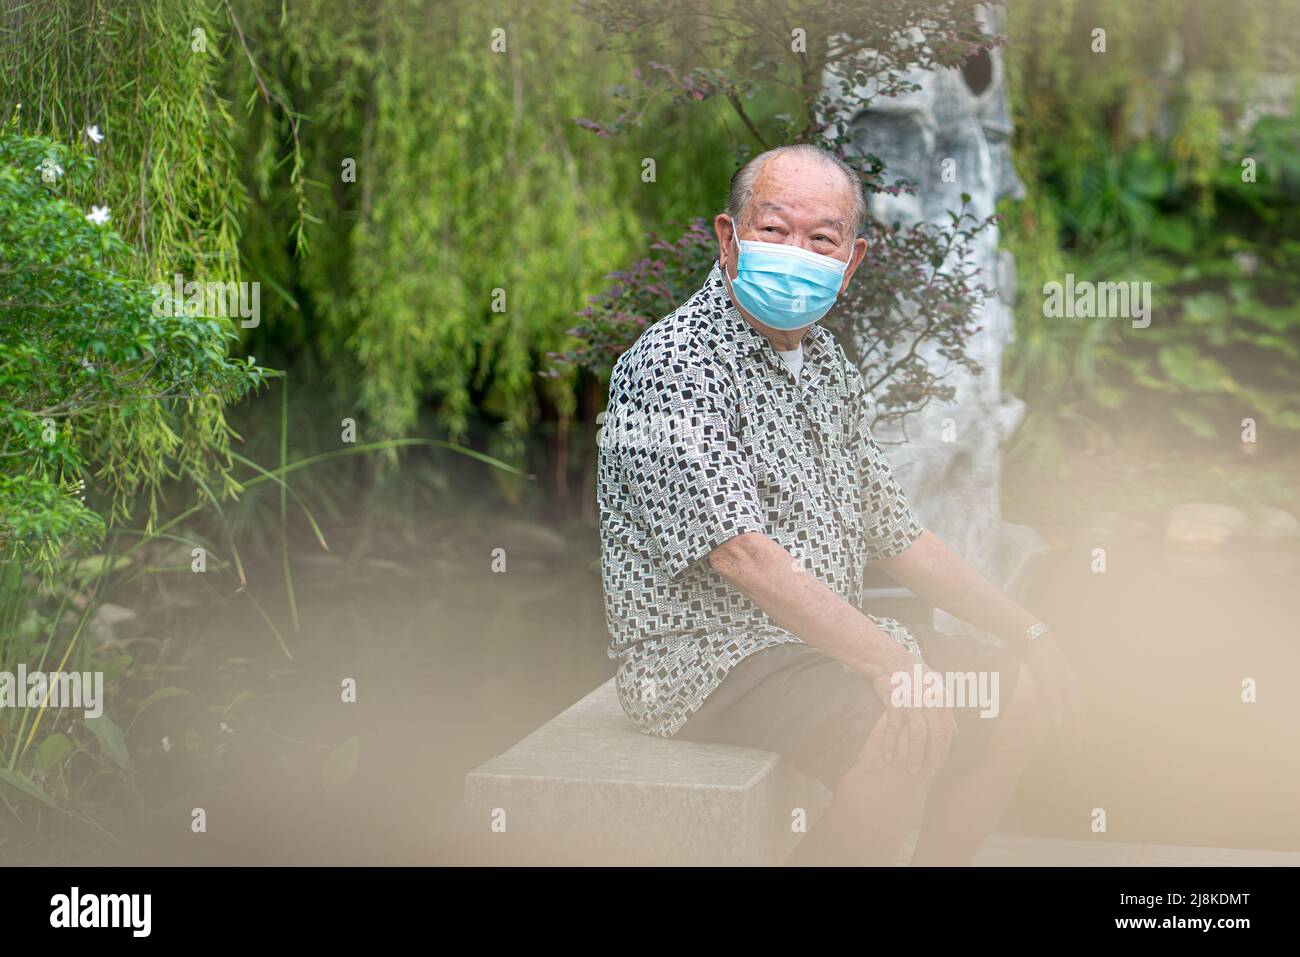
111, 740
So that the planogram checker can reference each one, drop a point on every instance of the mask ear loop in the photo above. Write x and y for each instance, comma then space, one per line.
735, 236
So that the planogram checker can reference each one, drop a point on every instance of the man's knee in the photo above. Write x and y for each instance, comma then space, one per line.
890, 781
1026, 721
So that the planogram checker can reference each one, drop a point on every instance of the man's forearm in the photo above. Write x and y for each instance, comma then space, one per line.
797, 601
937, 575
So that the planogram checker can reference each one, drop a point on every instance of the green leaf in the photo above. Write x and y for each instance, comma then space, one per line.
111, 740
1188, 369
1205, 308
1173, 233
1109, 397
25, 787
1198, 423
116, 666
1145, 174
53, 751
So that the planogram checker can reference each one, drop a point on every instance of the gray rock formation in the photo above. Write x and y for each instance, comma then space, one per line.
952, 136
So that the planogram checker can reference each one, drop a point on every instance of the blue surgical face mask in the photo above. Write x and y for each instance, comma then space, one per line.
785, 287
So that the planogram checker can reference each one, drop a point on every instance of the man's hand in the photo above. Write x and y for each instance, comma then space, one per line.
930, 730
934, 573
1059, 683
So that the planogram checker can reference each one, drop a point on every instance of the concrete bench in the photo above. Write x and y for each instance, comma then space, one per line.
588, 788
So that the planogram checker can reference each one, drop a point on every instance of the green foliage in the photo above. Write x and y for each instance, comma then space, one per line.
132, 70
103, 397
60, 768
470, 178
1135, 173
90, 376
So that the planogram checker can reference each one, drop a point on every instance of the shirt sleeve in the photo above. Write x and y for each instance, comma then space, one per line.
891, 525
673, 433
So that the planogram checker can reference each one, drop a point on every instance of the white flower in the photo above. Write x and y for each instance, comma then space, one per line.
94, 134
50, 169
98, 215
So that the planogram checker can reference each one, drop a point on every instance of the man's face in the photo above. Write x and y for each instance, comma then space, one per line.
801, 202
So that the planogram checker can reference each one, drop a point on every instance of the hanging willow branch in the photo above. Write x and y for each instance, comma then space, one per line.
274, 99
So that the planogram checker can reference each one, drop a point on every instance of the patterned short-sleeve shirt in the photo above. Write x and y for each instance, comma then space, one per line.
707, 435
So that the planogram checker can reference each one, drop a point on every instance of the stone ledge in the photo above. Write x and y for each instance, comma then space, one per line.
588, 788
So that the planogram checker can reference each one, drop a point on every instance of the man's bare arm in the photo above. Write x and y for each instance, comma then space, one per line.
938, 576
798, 602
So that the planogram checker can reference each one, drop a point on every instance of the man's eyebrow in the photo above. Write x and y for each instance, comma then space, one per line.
778, 208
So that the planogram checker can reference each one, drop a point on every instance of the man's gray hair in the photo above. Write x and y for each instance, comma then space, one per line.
742, 182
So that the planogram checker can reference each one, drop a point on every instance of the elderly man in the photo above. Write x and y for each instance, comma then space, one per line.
741, 497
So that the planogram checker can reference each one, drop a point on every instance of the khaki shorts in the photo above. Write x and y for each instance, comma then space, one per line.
817, 712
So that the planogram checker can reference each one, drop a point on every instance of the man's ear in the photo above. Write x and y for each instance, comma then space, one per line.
855, 260
723, 229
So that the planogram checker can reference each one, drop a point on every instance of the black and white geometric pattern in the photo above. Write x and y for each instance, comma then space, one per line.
706, 436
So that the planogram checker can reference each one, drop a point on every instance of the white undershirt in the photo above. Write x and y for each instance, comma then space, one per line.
793, 360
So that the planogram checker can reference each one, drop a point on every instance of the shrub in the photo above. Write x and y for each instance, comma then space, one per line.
100, 398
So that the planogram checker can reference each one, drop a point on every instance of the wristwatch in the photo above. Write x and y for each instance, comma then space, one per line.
1036, 631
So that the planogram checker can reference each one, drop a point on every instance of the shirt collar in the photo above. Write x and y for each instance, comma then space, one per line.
748, 340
